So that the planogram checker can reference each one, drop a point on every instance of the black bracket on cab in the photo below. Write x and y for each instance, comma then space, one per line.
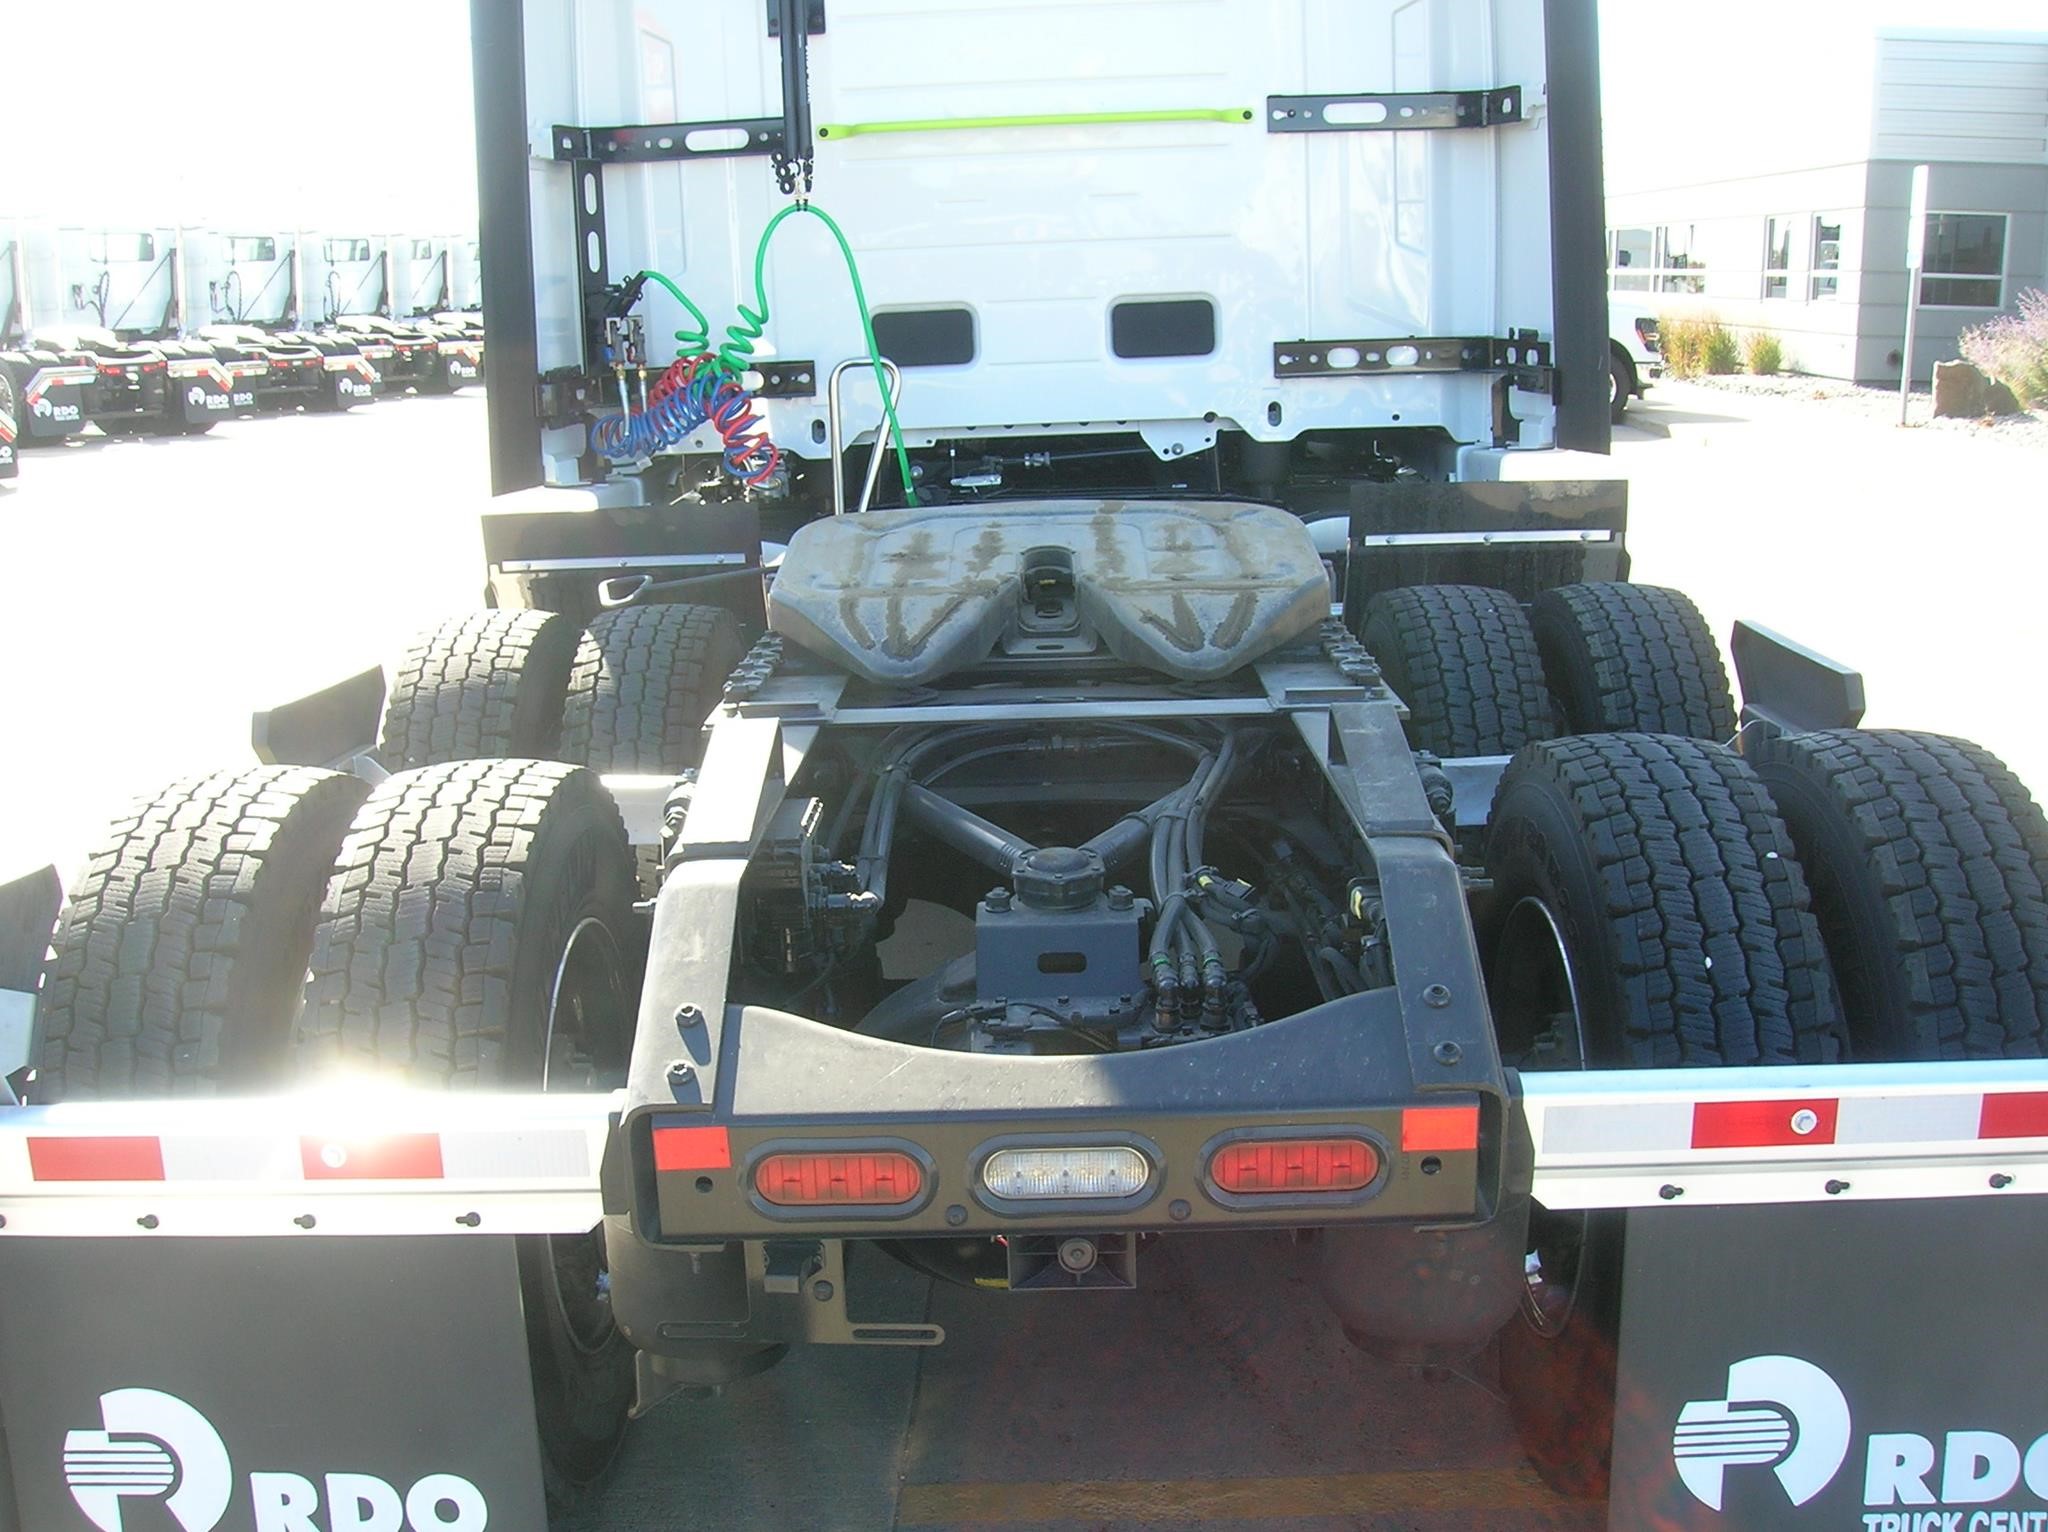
1394, 111
1522, 355
635, 143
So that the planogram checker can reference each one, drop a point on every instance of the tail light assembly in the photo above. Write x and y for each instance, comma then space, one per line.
1255, 1169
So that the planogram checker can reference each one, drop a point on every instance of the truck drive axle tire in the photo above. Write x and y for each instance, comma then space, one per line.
477, 935
1464, 659
1626, 658
645, 679
179, 956
1929, 864
483, 686
1648, 913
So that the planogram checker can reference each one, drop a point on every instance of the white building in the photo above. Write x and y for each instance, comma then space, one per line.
1799, 226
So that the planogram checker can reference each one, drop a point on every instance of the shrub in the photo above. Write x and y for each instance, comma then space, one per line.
2013, 348
1763, 353
1697, 343
1722, 354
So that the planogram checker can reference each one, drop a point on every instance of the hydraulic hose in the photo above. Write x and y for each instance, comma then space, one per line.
963, 829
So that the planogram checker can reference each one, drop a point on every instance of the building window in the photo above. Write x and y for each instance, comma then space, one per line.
1827, 255
108, 248
1678, 269
1629, 259
245, 248
1965, 261
1777, 256
340, 251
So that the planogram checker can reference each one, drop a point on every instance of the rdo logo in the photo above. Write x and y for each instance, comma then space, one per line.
1770, 1398
156, 1446
1787, 1415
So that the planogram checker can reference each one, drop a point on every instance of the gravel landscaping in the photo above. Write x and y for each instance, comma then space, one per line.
1878, 404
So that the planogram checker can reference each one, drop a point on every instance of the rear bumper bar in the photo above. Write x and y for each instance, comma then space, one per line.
430, 1163
795, 1086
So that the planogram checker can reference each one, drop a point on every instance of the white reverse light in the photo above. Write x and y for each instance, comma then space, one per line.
1023, 1175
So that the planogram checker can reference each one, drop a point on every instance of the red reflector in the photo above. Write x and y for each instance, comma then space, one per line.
2023, 1114
692, 1149
870, 1178
1762, 1124
96, 1159
1439, 1129
394, 1157
1257, 1165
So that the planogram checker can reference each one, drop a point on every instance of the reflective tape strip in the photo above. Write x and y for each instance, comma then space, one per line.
692, 1149
1790, 1122
46, 378
1616, 1126
1763, 1124
2018, 1115
1922, 1119
1442, 1128
390, 1157
539, 1155
95, 1159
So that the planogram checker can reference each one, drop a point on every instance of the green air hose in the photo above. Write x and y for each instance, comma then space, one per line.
695, 340
736, 356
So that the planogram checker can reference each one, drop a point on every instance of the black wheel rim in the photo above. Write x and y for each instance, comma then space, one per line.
1541, 1026
588, 1024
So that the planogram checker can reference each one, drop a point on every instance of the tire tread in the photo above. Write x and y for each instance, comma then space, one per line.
1464, 659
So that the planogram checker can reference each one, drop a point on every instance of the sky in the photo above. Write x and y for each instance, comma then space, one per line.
355, 114
341, 115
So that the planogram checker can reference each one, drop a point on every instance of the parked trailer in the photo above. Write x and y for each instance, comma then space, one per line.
1454, 931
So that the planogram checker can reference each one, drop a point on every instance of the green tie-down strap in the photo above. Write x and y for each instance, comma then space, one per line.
835, 130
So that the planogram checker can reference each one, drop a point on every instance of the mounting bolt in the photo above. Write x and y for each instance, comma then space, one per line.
689, 1016
998, 899
1447, 1053
469, 1220
956, 1215
1436, 995
1999, 1182
1178, 1210
1120, 898
1805, 1120
680, 1073
822, 1291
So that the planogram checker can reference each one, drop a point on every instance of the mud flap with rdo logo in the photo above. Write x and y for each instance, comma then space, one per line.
266, 1385
1861, 1367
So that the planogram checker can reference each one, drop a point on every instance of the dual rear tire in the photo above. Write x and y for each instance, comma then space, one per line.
629, 694
466, 926
1652, 909
1483, 675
